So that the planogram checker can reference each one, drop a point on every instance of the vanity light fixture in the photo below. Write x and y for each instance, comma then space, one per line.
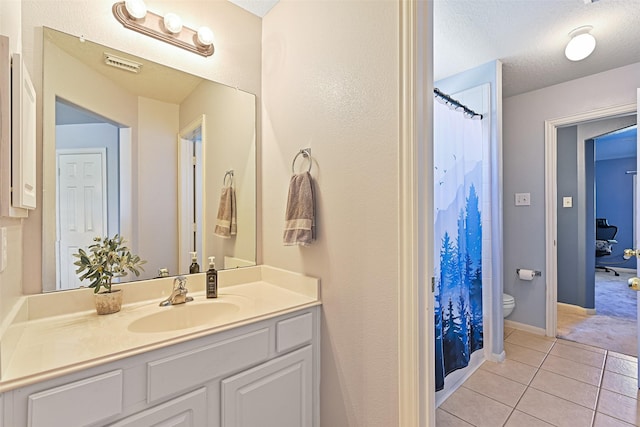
581, 45
133, 14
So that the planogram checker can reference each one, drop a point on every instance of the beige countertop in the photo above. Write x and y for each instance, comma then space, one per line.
39, 345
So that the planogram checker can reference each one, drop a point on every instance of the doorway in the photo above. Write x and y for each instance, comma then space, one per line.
91, 153
191, 141
595, 306
552, 198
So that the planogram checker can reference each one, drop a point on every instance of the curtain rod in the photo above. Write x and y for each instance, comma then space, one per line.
456, 104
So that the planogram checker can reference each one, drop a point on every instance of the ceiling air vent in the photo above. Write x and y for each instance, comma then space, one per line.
124, 64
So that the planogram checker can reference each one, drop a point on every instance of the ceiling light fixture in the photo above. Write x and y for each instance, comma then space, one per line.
581, 45
133, 14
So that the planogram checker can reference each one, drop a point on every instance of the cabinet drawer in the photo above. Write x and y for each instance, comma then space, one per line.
189, 369
294, 332
79, 403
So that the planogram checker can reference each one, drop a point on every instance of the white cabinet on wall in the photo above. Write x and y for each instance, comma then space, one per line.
23, 138
17, 135
262, 374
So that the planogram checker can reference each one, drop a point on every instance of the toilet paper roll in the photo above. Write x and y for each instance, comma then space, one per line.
526, 274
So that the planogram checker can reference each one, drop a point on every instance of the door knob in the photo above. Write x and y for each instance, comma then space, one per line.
634, 283
628, 253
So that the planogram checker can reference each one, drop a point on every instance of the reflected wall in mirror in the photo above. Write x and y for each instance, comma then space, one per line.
142, 153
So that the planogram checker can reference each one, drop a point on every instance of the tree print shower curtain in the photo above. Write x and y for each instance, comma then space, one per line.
458, 239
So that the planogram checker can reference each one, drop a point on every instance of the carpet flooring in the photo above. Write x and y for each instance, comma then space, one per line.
613, 327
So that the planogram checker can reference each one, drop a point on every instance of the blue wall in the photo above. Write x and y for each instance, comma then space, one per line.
614, 201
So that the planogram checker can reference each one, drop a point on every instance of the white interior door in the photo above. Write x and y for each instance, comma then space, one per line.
82, 205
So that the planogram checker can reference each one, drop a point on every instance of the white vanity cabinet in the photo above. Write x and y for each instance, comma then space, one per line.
274, 394
263, 374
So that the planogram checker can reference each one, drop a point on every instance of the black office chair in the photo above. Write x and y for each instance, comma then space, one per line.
605, 239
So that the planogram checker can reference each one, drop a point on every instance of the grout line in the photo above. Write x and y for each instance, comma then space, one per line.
455, 416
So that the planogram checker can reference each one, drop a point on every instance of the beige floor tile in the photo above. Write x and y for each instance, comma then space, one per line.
445, 419
566, 388
520, 419
603, 420
532, 341
524, 354
583, 346
476, 408
496, 387
507, 331
512, 370
620, 384
579, 355
622, 366
568, 368
619, 406
623, 356
554, 410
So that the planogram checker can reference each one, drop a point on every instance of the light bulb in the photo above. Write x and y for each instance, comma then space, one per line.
172, 23
205, 36
136, 8
581, 44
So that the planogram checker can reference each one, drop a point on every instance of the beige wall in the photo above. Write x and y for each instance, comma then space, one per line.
236, 62
331, 82
156, 228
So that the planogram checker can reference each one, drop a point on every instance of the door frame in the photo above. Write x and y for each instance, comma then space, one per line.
551, 192
186, 189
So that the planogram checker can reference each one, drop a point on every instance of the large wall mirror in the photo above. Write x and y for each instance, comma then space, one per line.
142, 150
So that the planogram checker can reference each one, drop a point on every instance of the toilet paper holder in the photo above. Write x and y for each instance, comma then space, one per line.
535, 272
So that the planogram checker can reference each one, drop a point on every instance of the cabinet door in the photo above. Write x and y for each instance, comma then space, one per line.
278, 393
189, 410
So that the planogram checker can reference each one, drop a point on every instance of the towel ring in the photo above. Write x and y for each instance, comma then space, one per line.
306, 153
229, 174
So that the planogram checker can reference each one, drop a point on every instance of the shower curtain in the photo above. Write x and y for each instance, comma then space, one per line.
458, 239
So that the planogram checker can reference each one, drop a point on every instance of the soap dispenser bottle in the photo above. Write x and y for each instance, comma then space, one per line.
212, 279
194, 267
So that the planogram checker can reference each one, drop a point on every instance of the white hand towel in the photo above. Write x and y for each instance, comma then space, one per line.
226, 222
299, 226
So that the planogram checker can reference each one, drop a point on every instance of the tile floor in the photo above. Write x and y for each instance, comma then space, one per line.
547, 382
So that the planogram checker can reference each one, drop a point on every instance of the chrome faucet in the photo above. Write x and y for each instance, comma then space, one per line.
178, 294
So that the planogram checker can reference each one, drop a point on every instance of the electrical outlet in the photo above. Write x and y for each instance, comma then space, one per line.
523, 199
567, 202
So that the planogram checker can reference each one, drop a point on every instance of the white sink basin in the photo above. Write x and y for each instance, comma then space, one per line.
184, 316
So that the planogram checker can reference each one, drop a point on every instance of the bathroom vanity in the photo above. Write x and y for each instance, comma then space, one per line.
248, 358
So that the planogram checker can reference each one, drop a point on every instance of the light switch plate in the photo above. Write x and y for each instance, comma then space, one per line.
523, 199
567, 202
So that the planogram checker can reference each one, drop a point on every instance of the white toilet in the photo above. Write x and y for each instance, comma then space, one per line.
508, 304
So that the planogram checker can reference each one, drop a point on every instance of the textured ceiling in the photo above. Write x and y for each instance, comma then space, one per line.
529, 37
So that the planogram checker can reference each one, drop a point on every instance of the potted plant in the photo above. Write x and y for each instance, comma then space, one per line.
107, 258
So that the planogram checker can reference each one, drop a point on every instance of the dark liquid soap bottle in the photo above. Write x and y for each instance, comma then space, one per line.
212, 279
194, 267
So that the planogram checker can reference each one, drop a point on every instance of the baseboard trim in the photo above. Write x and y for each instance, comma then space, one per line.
525, 328
576, 309
493, 357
